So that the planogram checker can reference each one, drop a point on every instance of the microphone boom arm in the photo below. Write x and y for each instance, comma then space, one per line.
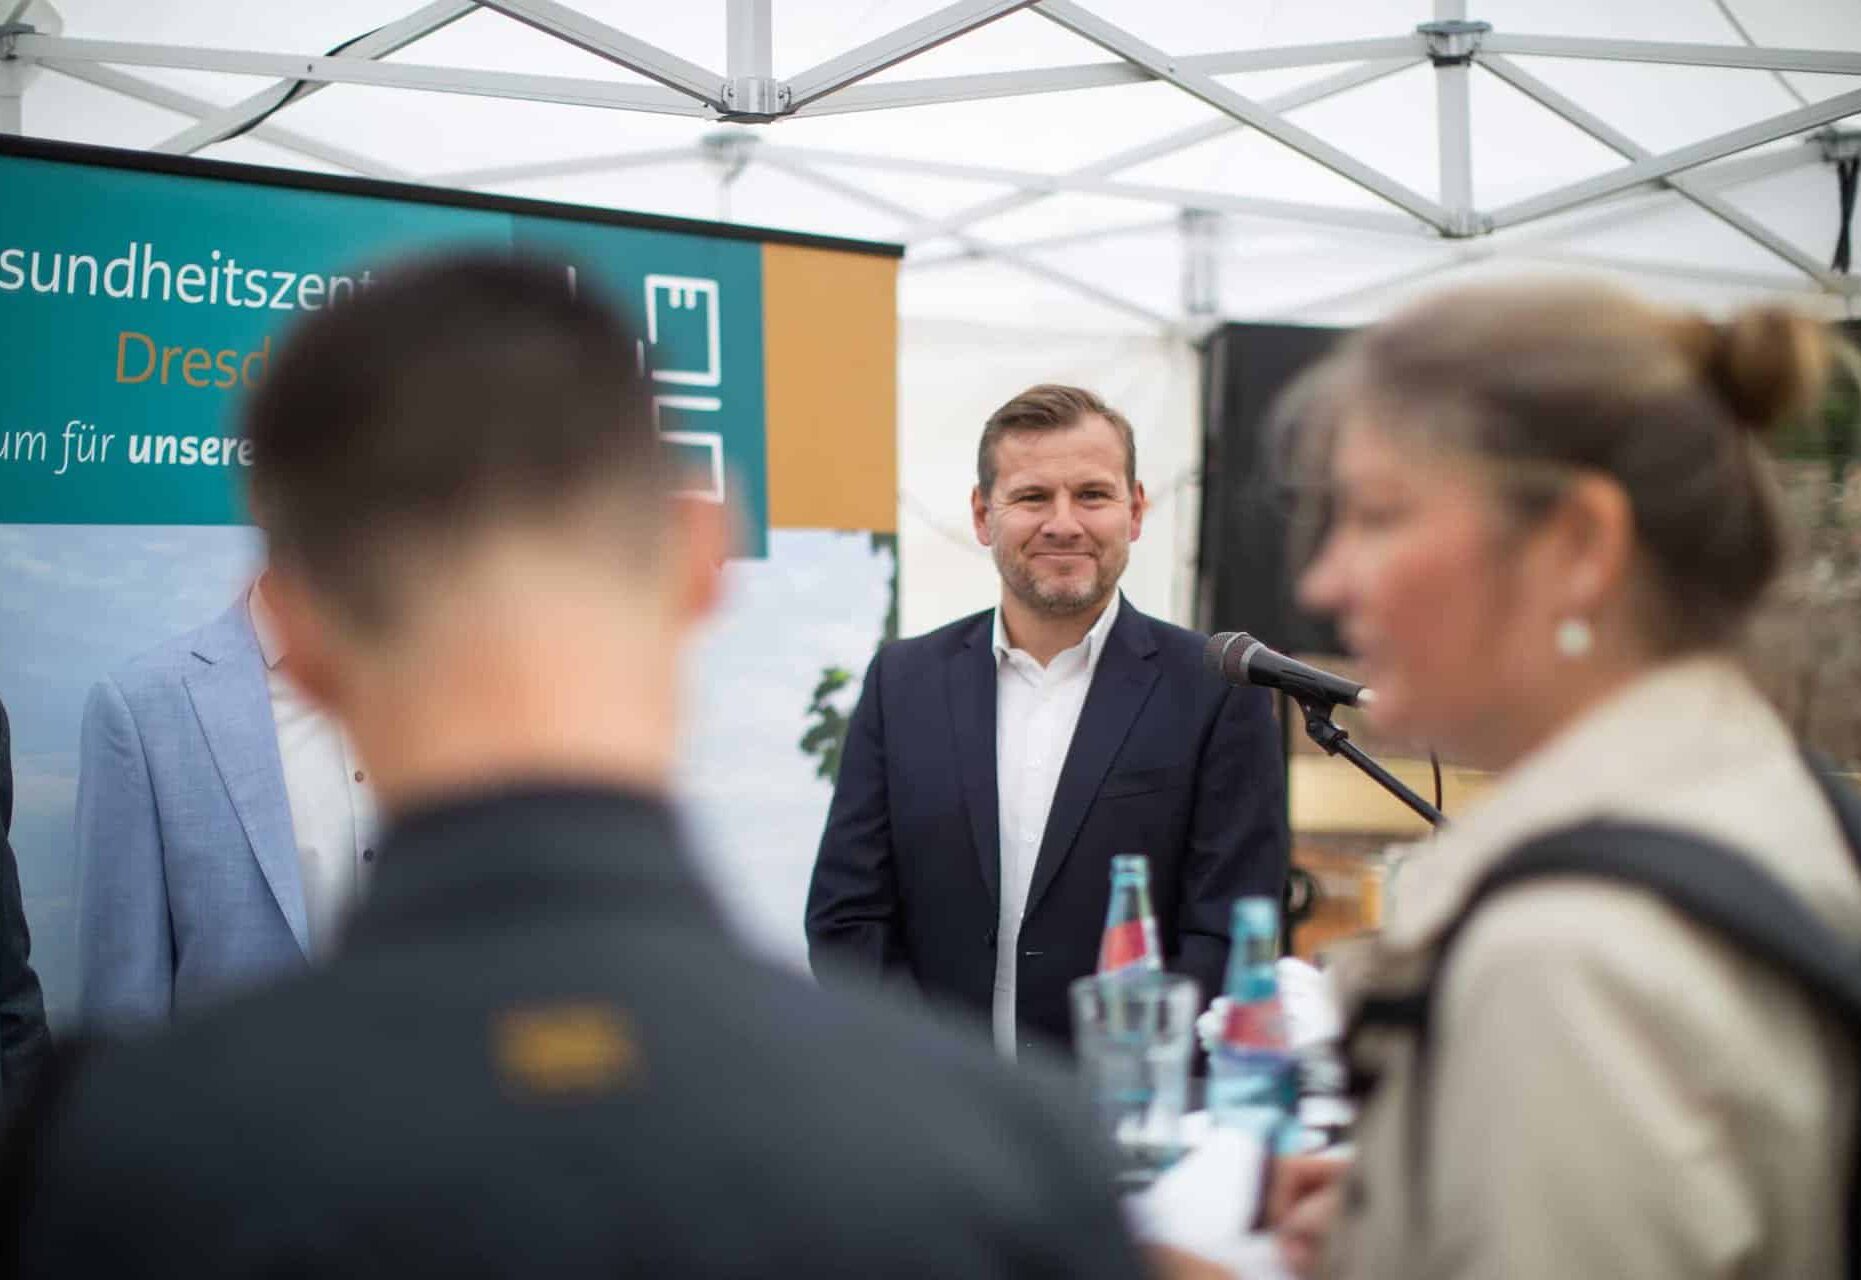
1336, 742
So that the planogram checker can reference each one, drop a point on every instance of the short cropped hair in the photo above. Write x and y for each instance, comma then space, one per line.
458, 393
1047, 407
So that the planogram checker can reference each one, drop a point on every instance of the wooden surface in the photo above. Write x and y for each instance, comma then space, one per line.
1341, 824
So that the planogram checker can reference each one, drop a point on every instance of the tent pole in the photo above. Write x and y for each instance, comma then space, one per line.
1162, 66
575, 91
749, 39
779, 158
1306, 94
1668, 163
238, 118
592, 36
1452, 42
160, 95
1687, 185
20, 18
751, 90
889, 50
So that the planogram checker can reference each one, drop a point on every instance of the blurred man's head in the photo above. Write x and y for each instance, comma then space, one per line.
469, 519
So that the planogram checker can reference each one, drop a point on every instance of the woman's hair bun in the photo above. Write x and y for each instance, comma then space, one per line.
1767, 363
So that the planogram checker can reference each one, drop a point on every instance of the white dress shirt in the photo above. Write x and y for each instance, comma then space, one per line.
332, 812
1036, 710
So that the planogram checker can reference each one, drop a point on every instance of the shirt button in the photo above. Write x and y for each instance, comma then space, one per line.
360, 776
368, 855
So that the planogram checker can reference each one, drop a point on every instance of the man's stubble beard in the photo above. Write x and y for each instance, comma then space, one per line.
1021, 582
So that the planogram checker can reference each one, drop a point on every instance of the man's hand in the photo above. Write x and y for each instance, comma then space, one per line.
1302, 1208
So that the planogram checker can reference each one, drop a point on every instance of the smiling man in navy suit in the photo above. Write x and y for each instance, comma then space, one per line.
995, 766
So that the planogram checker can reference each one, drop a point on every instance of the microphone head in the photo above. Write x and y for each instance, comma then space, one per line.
1222, 655
1212, 651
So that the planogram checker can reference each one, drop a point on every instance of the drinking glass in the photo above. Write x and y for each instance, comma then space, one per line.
1134, 1033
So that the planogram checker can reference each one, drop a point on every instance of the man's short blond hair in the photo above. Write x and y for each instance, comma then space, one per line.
1049, 407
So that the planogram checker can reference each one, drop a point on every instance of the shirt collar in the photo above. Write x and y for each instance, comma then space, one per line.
1094, 641
448, 864
270, 643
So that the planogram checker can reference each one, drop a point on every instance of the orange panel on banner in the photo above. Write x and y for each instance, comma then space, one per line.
830, 360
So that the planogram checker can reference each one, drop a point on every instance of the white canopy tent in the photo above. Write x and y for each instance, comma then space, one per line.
1084, 185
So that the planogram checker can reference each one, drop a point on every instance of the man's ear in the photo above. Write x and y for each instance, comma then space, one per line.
1140, 506
702, 533
311, 637
979, 515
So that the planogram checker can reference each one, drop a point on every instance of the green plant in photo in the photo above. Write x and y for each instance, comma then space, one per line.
827, 724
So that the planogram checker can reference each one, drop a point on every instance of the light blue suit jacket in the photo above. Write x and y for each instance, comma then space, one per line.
188, 881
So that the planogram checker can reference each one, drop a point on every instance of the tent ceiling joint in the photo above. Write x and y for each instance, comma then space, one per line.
754, 99
1453, 43
1837, 144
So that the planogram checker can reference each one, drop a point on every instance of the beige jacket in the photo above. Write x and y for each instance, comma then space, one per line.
1613, 1092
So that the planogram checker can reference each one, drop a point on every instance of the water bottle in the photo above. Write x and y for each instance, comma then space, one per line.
1253, 1075
1130, 940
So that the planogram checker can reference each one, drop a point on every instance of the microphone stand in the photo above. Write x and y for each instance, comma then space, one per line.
1336, 742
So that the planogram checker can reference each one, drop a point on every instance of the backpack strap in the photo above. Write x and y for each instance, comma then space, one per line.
1702, 879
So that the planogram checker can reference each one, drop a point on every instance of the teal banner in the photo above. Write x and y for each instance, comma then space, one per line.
136, 307
141, 296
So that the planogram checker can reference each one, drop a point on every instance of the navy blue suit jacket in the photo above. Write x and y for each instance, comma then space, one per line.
23, 1035
1166, 761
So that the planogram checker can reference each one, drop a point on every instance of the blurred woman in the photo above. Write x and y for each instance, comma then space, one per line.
1549, 515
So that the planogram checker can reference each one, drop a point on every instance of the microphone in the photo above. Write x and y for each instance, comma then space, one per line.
1238, 658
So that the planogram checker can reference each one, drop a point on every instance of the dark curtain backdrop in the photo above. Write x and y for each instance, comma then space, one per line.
1243, 578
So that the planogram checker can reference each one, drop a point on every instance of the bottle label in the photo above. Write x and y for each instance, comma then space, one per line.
1256, 1024
1125, 945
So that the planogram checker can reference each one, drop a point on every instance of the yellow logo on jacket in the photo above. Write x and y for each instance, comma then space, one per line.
562, 1050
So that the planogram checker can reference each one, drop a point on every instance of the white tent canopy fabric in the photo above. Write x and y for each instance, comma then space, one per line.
1083, 185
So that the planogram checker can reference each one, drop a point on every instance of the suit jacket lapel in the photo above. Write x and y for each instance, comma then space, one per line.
1120, 687
234, 706
971, 671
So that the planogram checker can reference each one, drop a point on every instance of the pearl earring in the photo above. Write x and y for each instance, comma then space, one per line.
1575, 638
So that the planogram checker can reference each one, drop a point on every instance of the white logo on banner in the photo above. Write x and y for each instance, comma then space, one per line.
686, 293
689, 293
709, 440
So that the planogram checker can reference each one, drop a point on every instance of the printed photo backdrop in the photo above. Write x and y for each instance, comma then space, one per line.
140, 295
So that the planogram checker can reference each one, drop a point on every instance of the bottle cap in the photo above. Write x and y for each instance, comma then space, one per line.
1130, 865
1256, 917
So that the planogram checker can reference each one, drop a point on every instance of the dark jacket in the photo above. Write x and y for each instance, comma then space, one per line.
23, 1037
539, 1055
1166, 761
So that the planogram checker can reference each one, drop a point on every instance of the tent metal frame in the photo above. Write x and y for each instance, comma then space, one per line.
747, 92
